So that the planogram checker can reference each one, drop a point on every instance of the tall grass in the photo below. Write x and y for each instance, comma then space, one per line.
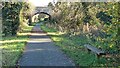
73, 47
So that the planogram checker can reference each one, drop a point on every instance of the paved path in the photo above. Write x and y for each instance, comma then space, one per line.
41, 51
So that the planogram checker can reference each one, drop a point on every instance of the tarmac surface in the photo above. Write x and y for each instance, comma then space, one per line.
40, 50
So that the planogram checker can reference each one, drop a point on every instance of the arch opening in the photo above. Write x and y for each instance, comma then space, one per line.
38, 15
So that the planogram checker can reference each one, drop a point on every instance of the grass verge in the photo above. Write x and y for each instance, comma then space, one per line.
13, 46
73, 47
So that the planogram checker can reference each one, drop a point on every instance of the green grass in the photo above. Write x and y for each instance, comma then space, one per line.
73, 47
13, 46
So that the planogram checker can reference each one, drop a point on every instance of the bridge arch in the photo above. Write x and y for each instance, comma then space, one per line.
30, 17
43, 13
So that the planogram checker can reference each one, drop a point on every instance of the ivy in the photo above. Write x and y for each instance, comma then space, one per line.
13, 15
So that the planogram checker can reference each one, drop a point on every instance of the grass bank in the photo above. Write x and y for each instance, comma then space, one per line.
73, 47
13, 46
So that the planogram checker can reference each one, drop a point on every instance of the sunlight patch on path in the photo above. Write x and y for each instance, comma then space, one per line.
39, 40
38, 34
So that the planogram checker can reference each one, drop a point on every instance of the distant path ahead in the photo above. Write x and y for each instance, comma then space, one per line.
41, 51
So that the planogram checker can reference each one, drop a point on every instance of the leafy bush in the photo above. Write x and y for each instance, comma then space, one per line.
10, 16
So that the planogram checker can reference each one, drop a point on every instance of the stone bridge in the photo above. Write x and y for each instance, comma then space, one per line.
43, 9
40, 10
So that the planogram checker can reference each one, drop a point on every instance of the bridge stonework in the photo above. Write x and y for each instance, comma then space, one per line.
43, 9
40, 10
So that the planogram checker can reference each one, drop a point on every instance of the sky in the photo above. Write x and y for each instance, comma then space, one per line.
40, 2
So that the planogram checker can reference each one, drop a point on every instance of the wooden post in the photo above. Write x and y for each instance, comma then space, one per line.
88, 51
98, 56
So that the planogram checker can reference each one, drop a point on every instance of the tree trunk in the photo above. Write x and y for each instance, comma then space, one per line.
30, 20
